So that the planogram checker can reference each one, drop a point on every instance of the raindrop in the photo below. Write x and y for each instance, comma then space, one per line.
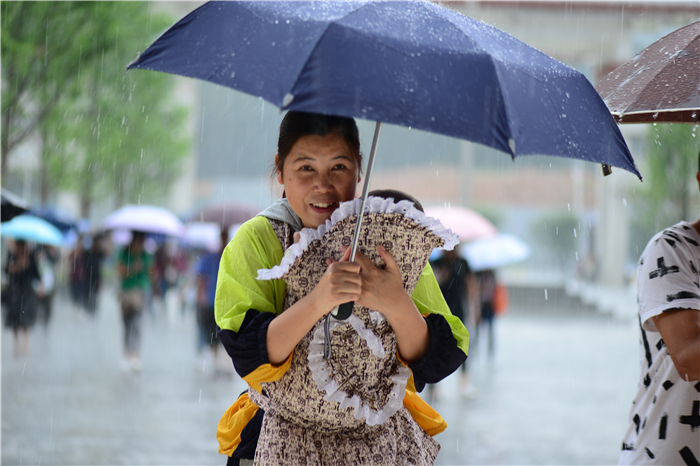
557, 230
287, 21
577, 256
233, 74
568, 206
624, 202
575, 233
545, 294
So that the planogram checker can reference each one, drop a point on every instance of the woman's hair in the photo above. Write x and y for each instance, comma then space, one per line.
296, 125
397, 196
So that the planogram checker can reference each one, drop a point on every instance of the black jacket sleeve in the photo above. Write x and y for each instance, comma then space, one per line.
248, 346
443, 356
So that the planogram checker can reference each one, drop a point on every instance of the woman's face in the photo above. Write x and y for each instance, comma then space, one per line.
319, 173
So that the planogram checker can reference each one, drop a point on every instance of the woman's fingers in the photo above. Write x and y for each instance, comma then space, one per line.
341, 282
381, 287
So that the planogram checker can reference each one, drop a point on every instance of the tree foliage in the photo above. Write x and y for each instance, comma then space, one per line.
669, 193
104, 131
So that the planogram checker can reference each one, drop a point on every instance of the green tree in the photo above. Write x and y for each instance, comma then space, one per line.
669, 187
112, 132
44, 46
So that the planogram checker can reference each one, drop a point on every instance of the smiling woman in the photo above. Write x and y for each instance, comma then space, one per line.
318, 163
295, 418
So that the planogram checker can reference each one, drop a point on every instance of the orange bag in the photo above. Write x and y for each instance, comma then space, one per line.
500, 299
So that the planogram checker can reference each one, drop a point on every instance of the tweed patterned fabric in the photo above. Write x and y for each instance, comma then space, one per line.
347, 409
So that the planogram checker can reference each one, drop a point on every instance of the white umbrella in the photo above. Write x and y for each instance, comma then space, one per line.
204, 235
146, 218
495, 251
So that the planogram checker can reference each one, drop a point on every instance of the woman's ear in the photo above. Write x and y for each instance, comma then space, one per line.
280, 180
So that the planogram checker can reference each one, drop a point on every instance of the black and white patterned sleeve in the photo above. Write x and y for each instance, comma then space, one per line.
668, 275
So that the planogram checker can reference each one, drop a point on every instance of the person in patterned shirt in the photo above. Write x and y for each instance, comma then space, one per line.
664, 422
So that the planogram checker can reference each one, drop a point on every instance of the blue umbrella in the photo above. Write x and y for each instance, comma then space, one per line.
59, 218
32, 229
410, 63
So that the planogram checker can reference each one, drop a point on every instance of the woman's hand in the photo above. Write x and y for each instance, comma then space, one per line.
383, 291
341, 283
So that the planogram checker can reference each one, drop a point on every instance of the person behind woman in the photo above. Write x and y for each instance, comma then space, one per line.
207, 272
134, 267
318, 163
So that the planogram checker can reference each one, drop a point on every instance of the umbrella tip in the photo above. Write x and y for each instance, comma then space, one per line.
134, 61
607, 169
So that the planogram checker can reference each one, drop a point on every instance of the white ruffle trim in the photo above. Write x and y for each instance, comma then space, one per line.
326, 383
375, 205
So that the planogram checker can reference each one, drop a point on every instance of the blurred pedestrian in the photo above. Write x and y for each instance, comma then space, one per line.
23, 282
93, 257
47, 258
664, 422
207, 272
134, 267
77, 274
491, 298
461, 291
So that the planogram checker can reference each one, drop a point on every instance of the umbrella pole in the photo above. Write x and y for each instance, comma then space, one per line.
344, 310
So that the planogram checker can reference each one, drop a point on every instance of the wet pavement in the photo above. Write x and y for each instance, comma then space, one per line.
557, 391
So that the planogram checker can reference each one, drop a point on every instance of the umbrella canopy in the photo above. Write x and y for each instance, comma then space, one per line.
59, 218
409, 63
225, 215
12, 206
203, 235
466, 223
32, 229
661, 84
146, 218
495, 251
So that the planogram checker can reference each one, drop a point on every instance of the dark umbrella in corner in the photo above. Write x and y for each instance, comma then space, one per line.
12, 206
661, 84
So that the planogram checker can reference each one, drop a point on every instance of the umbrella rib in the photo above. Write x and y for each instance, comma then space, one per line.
311, 53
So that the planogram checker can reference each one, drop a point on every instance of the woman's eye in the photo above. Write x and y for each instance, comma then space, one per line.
340, 167
305, 168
